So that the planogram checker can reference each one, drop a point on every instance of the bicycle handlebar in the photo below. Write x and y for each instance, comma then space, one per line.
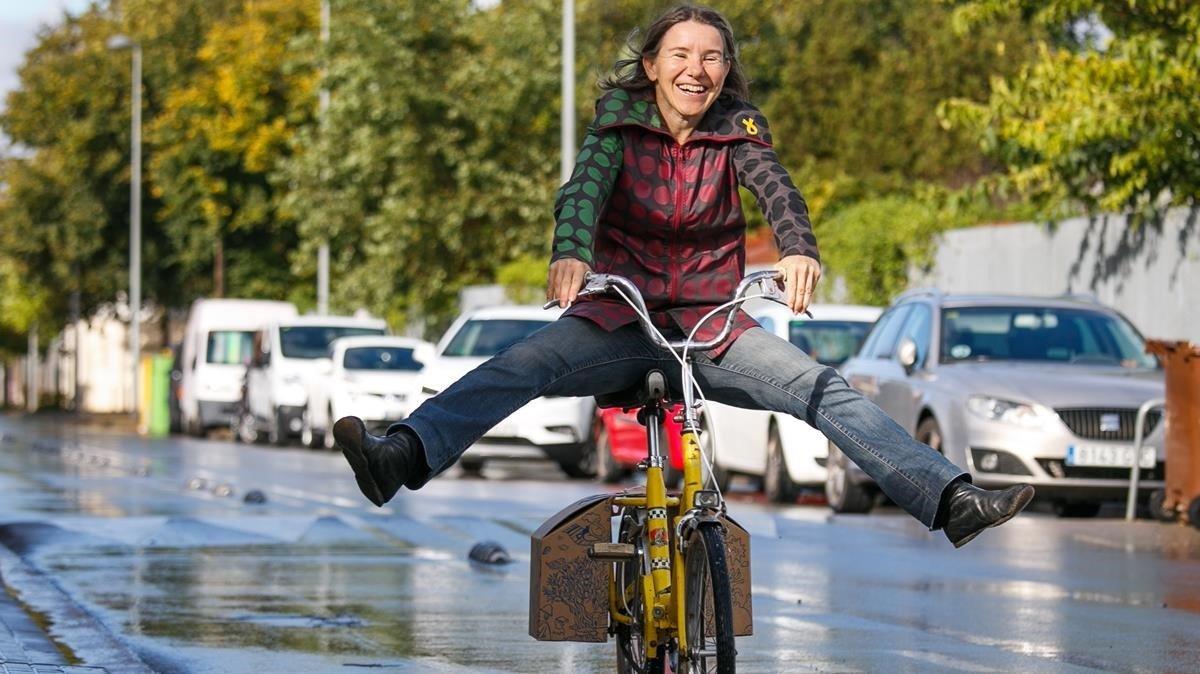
600, 284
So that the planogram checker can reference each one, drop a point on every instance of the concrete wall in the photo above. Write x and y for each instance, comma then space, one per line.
1151, 273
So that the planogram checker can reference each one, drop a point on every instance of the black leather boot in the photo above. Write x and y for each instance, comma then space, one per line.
381, 464
969, 509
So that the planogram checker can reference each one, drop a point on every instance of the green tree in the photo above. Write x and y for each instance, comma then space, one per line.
64, 211
1108, 121
218, 139
436, 161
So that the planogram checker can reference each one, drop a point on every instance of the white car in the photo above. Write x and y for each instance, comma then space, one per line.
551, 427
785, 452
373, 378
285, 356
217, 345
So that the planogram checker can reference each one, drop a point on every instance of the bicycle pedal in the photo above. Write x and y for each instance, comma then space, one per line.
612, 551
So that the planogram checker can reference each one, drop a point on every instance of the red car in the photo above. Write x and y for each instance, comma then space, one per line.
621, 444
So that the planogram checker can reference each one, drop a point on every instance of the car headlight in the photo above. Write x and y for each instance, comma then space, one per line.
1009, 412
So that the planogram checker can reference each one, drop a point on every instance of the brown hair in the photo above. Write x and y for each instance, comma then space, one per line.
630, 74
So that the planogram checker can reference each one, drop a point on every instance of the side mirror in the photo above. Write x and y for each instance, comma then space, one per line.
906, 353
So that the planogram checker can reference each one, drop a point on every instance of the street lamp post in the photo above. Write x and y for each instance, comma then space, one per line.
322, 111
135, 209
567, 112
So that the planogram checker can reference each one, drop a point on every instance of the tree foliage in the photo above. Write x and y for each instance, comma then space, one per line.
219, 139
1109, 119
434, 163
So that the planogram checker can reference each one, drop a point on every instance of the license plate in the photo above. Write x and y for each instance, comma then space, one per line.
1109, 456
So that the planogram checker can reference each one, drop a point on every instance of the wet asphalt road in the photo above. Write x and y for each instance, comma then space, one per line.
155, 539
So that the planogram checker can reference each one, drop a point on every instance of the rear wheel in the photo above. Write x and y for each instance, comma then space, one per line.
631, 654
777, 482
607, 469
844, 494
930, 433
1158, 509
708, 604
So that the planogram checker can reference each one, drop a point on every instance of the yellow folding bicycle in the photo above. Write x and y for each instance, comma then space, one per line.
677, 582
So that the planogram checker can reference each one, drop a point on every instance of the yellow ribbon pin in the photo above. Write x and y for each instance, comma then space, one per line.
751, 127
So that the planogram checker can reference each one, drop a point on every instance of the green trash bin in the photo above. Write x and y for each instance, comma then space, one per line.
160, 388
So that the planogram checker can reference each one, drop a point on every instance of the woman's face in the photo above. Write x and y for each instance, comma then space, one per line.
688, 71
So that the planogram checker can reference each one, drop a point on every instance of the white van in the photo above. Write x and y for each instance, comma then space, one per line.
214, 355
285, 355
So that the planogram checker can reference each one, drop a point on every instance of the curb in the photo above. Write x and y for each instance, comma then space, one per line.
26, 644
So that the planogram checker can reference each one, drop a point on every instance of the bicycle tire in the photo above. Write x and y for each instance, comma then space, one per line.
631, 658
708, 604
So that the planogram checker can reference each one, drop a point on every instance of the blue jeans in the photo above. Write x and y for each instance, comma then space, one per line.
575, 357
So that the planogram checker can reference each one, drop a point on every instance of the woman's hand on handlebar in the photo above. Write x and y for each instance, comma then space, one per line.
565, 279
800, 276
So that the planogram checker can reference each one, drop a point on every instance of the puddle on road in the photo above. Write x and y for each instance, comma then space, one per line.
345, 602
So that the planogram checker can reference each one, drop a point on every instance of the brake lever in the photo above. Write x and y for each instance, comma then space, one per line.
772, 289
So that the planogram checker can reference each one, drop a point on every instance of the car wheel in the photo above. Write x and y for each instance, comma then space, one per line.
930, 433
1194, 512
777, 483
581, 467
327, 440
842, 493
195, 428
1075, 509
1157, 508
245, 429
309, 437
607, 470
276, 430
471, 467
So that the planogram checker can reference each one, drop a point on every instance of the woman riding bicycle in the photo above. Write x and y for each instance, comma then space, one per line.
654, 197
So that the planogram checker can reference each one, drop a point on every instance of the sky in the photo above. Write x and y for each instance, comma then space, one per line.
19, 23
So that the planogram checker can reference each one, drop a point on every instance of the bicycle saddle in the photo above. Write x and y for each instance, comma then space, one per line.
651, 389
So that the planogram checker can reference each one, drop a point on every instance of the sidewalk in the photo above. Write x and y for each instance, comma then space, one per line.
42, 630
25, 648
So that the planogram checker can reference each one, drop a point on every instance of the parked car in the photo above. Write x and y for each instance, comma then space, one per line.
619, 441
285, 356
557, 428
784, 452
372, 378
1013, 389
217, 345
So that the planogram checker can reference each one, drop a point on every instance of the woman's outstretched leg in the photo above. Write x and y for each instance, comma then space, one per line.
763, 371
571, 356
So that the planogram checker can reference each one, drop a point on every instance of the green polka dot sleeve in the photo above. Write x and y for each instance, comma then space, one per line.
580, 201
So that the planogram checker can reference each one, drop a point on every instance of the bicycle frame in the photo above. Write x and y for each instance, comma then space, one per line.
663, 587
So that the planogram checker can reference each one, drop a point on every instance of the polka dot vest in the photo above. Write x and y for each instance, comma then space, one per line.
669, 216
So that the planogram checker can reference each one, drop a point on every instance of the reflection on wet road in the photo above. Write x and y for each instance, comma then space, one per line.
155, 537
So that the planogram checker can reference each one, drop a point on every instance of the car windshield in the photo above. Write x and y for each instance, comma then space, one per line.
389, 358
487, 337
1041, 334
828, 342
229, 347
312, 341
